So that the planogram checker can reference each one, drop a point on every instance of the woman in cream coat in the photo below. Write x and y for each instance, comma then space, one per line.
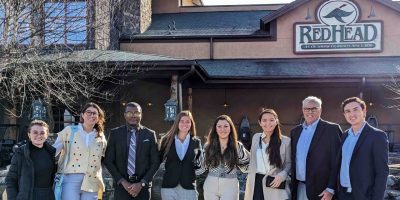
270, 156
83, 173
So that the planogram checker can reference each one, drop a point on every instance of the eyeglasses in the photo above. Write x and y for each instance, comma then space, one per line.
90, 113
313, 109
133, 114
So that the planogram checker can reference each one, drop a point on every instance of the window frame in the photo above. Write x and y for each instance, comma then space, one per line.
67, 22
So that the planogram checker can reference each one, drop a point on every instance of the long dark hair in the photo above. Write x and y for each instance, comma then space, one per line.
275, 141
99, 126
167, 140
213, 150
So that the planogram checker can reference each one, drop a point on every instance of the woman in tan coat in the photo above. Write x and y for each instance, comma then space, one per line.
269, 162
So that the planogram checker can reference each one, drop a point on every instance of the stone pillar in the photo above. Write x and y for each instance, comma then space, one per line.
134, 16
120, 18
104, 36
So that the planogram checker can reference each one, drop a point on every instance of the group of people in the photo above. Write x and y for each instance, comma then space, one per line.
317, 161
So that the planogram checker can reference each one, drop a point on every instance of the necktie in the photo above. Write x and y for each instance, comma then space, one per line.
132, 153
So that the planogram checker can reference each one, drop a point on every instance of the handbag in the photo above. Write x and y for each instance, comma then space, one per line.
59, 178
269, 179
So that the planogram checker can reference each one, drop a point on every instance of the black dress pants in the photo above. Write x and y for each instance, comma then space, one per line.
43, 194
258, 193
121, 194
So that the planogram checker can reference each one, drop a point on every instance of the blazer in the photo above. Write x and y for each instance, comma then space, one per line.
181, 171
321, 159
368, 165
147, 159
269, 193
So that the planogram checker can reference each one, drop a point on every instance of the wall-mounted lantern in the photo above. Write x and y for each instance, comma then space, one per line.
39, 110
171, 107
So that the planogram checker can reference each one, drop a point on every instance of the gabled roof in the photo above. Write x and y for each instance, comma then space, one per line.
204, 24
289, 7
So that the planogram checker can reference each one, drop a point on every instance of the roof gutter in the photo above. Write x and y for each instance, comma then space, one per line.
191, 37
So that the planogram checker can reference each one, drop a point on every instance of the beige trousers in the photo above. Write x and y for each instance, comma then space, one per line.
178, 193
216, 188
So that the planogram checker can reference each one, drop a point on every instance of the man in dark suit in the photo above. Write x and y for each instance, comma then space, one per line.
132, 156
363, 157
315, 145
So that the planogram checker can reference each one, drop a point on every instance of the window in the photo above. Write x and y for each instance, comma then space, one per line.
66, 22
17, 26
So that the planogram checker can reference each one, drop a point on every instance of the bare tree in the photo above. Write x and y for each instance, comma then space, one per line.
39, 55
394, 87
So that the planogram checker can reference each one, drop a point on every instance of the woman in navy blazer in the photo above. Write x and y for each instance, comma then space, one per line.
181, 150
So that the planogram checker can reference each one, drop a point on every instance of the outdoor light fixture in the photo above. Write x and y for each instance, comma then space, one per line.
39, 110
225, 102
170, 110
370, 102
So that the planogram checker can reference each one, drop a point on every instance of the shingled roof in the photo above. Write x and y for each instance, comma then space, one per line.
106, 56
303, 68
205, 24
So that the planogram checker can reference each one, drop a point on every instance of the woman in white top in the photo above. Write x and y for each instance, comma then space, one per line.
83, 178
269, 162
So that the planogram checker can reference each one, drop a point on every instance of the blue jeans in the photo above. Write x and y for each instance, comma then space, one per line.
72, 188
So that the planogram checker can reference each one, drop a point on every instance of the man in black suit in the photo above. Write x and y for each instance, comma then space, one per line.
132, 156
315, 145
363, 157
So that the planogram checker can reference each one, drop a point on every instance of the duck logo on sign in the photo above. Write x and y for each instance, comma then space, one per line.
339, 30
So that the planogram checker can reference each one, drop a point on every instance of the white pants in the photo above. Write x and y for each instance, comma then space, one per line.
71, 188
216, 188
178, 193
